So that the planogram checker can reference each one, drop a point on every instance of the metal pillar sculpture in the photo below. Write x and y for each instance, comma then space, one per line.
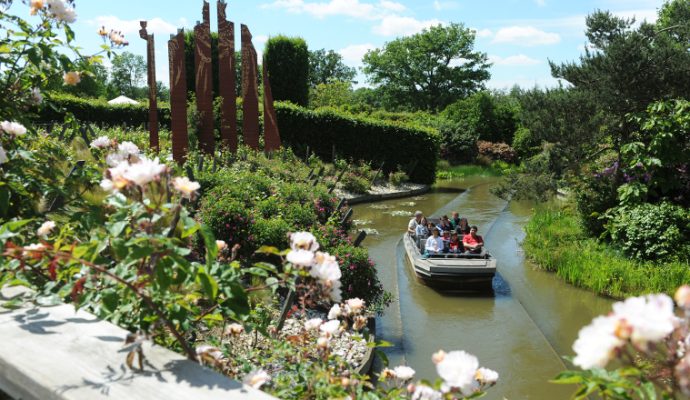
204, 81
151, 79
226, 79
178, 96
271, 135
250, 105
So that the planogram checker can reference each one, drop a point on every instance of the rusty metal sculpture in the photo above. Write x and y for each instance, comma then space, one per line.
226, 79
204, 81
271, 135
151, 80
178, 97
250, 96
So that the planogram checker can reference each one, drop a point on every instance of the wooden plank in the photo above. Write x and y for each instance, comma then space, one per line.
57, 353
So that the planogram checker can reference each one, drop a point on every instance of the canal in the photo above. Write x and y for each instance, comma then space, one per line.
521, 330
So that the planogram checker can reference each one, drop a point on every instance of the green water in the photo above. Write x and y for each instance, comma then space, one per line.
521, 330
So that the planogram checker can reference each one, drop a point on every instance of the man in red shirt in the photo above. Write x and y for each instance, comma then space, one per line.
472, 242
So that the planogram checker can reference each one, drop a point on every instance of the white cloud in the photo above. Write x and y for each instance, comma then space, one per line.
445, 5
353, 53
519, 60
350, 8
396, 25
482, 33
130, 27
525, 36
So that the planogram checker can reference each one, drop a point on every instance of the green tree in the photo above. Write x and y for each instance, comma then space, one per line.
327, 67
489, 116
628, 68
287, 63
127, 74
428, 70
332, 94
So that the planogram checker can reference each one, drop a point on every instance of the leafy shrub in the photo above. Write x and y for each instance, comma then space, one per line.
594, 196
458, 143
525, 143
359, 274
497, 151
354, 183
397, 178
652, 231
361, 139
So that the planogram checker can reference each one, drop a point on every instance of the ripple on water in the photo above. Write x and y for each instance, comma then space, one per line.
371, 231
380, 206
399, 213
407, 204
419, 198
358, 222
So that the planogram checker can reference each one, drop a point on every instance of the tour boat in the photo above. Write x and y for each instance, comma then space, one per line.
451, 271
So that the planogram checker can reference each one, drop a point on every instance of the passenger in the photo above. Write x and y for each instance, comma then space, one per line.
472, 242
454, 220
422, 230
444, 224
434, 244
463, 227
412, 226
454, 246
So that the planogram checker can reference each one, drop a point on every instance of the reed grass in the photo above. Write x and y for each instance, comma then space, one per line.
446, 171
555, 242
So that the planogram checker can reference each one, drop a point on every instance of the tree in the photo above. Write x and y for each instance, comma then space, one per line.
428, 70
327, 67
333, 94
629, 68
127, 74
287, 63
490, 116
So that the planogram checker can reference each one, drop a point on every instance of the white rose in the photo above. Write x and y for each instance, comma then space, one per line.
46, 228
334, 312
404, 372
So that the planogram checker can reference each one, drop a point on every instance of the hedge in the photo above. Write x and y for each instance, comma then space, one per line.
99, 112
415, 150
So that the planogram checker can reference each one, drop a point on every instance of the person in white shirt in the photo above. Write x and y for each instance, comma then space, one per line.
412, 226
434, 244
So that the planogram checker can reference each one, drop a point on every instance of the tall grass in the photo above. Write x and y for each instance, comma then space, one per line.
556, 243
445, 171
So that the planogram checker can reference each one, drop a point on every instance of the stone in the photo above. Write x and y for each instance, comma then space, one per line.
271, 134
250, 96
204, 81
226, 79
178, 97
151, 81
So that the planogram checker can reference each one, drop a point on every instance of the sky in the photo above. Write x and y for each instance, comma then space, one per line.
519, 36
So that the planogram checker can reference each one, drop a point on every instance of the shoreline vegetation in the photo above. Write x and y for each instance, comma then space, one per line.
555, 242
446, 171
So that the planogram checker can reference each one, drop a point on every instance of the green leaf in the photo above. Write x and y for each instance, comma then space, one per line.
210, 243
116, 228
268, 250
208, 283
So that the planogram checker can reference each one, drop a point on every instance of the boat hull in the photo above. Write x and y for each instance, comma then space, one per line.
451, 273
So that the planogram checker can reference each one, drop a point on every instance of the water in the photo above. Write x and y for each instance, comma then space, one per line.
521, 331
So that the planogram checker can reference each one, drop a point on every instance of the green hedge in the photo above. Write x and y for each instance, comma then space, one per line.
416, 150
99, 112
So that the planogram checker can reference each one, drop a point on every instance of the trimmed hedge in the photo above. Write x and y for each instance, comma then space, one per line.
415, 150
99, 112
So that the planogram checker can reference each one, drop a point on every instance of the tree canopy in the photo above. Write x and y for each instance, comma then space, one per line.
287, 64
428, 70
328, 67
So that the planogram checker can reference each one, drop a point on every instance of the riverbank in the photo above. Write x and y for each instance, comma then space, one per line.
384, 192
446, 171
555, 242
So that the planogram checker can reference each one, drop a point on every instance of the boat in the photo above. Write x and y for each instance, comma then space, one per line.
451, 271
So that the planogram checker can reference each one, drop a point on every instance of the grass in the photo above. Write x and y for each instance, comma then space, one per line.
555, 242
446, 171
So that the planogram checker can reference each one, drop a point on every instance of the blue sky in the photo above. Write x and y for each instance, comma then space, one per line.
519, 36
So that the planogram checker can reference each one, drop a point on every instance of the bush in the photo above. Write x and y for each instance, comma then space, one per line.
497, 151
652, 231
594, 196
287, 63
458, 143
361, 139
354, 183
397, 178
99, 112
524, 143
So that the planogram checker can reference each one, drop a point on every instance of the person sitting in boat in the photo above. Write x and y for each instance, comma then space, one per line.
472, 242
434, 244
444, 224
455, 246
454, 220
463, 227
422, 230
412, 226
